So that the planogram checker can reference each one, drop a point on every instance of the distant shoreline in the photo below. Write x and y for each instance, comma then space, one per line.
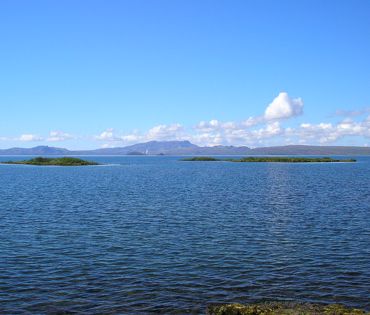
268, 160
186, 148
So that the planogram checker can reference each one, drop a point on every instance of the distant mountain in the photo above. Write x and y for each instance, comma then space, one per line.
149, 148
40, 150
187, 148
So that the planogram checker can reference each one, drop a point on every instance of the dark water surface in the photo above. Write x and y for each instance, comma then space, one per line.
155, 235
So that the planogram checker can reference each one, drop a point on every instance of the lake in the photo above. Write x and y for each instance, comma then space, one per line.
144, 235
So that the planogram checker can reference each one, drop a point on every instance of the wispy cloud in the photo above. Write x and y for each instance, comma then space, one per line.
56, 136
29, 138
351, 113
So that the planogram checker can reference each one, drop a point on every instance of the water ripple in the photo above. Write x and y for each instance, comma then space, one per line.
154, 235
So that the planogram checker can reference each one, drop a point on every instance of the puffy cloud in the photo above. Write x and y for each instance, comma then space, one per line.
132, 138
29, 138
253, 121
107, 135
165, 132
271, 130
214, 125
159, 132
215, 132
283, 107
208, 125
327, 133
59, 136
113, 139
244, 132
235, 134
273, 133
262, 130
208, 139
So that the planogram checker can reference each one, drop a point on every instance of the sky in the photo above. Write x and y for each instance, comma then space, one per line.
89, 74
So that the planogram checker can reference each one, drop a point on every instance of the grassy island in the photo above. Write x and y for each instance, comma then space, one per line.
279, 308
63, 161
269, 159
201, 159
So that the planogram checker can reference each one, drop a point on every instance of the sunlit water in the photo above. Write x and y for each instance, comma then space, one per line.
156, 235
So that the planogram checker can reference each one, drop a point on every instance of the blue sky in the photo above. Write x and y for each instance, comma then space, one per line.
87, 74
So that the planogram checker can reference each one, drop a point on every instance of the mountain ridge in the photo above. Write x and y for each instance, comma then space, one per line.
188, 148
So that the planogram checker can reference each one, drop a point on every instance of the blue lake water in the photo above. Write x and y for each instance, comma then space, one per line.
155, 235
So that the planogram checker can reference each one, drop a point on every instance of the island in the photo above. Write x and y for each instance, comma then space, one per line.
62, 161
268, 159
278, 308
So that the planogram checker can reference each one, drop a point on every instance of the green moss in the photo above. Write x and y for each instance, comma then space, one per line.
280, 308
64, 161
337, 309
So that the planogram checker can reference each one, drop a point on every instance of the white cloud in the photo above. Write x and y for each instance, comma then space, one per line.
59, 136
352, 113
283, 107
107, 135
327, 133
29, 138
159, 132
131, 138
214, 124
165, 132
253, 121
273, 132
208, 125
113, 138
215, 131
235, 134
263, 130
107, 145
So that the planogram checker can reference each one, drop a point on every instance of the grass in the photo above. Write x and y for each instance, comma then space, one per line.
288, 308
270, 159
201, 158
63, 161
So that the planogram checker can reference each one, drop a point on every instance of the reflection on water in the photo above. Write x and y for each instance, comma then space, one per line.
152, 234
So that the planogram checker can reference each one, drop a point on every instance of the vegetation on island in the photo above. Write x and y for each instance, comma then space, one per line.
63, 161
279, 308
270, 159
201, 158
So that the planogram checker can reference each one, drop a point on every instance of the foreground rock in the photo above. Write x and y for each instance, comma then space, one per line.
64, 161
275, 308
